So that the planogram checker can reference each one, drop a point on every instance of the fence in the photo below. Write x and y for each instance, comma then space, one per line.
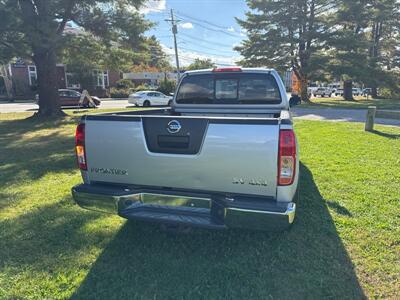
373, 113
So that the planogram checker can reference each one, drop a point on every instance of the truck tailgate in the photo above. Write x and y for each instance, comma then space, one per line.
228, 155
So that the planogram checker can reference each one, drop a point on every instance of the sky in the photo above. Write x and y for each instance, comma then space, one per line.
206, 28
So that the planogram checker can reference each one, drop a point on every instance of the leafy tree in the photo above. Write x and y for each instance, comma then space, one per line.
156, 57
83, 53
167, 86
285, 35
35, 29
125, 84
199, 63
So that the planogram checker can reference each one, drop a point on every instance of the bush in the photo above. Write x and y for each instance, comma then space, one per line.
387, 93
125, 84
167, 86
141, 87
119, 93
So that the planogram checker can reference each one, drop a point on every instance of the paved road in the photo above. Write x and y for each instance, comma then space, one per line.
327, 114
29, 106
338, 115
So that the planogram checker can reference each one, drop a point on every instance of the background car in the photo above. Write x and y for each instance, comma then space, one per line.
339, 92
367, 91
311, 90
357, 92
149, 98
72, 97
322, 91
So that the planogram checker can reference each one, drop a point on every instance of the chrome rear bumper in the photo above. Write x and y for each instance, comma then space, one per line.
197, 209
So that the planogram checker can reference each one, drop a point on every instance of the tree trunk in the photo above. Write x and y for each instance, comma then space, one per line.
348, 90
374, 92
302, 79
49, 104
304, 91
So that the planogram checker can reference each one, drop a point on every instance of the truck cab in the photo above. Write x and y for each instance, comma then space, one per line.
224, 155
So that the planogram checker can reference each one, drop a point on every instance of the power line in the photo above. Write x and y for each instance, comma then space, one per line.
202, 40
215, 62
185, 57
211, 29
201, 20
202, 53
206, 53
186, 16
206, 47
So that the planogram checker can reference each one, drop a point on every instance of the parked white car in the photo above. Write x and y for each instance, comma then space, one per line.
357, 92
323, 91
339, 92
149, 98
311, 90
367, 91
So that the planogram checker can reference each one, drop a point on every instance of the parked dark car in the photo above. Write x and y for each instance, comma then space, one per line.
72, 97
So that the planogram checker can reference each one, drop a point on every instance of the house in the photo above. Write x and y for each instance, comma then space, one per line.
5, 83
23, 76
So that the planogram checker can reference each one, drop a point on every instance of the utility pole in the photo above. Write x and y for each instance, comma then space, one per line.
174, 28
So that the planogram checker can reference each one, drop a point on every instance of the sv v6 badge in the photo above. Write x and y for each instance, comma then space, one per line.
258, 182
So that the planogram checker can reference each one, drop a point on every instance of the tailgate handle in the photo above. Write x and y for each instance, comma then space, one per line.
173, 142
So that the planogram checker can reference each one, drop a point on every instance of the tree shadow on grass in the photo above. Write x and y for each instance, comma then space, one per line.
386, 134
47, 238
28, 154
339, 208
9, 198
18, 127
31, 157
307, 261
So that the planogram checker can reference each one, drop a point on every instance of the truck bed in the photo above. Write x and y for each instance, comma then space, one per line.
228, 153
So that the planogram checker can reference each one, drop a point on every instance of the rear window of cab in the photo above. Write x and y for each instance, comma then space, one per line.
229, 88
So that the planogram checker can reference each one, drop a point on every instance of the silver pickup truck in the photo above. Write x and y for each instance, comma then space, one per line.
224, 156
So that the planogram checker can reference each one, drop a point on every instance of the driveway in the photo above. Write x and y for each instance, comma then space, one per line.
338, 115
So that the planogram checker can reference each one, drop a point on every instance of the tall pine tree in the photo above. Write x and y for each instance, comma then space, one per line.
287, 34
384, 41
347, 46
362, 44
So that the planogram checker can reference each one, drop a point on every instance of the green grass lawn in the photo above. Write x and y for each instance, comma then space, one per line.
344, 244
359, 102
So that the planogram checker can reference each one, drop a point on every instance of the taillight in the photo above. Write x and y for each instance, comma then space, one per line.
80, 146
287, 157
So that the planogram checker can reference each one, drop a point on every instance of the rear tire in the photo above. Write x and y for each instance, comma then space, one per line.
146, 103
